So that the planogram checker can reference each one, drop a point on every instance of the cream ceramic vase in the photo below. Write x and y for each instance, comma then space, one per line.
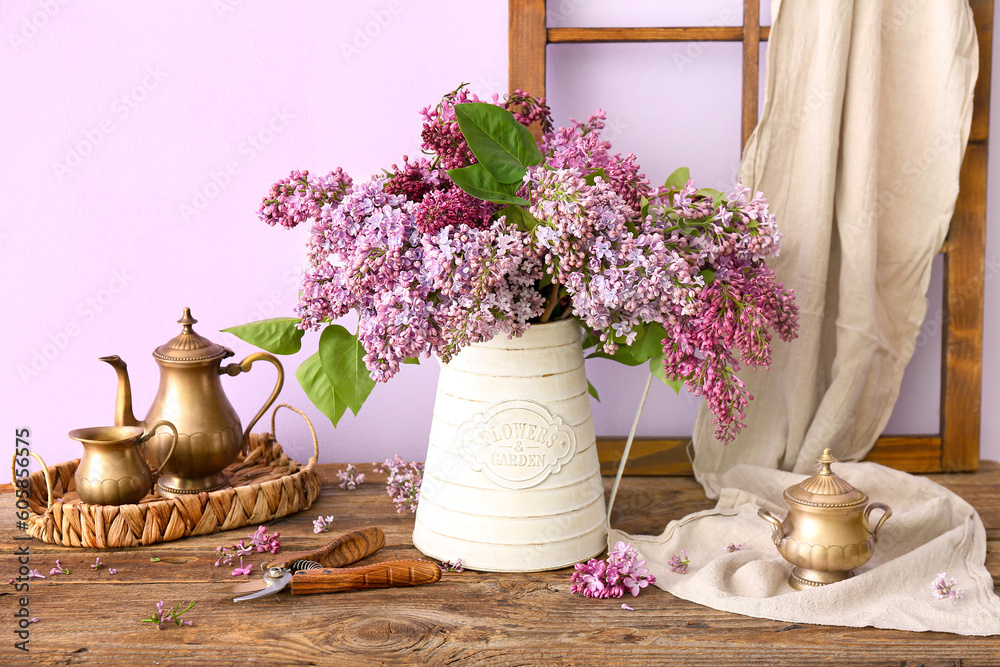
512, 482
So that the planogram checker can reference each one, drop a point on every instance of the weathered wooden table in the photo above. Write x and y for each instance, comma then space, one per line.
91, 616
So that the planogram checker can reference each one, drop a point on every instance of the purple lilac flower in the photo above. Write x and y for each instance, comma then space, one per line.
35, 574
260, 542
350, 478
112, 570
403, 485
59, 569
625, 606
242, 569
679, 563
946, 587
322, 524
448, 566
301, 197
97, 564
731, 547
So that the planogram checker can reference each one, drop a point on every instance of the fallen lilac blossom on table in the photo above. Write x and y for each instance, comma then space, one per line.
448, 566
403, 485
679, 564
112, 570
946, 587
623, 571
97, 565
625, 606
35, 574
730, 548
59, 569
162, 616
350, 478
260, 542
322, 524
242, 569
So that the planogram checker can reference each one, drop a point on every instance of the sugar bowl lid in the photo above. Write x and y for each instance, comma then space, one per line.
825, 489
188, 345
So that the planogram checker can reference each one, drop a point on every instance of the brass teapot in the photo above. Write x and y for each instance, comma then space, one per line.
826, 533
190, 396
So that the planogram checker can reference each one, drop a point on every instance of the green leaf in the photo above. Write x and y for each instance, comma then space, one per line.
592, 390
278, 335
519, 216
678, 179
479, 183
154, 560
503, 146
411, 360
624, 355
708, 275
591, 178
656, 368
342, 357
317, 386
643, 207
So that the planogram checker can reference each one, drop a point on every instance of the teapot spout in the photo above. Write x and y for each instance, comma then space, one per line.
123, 403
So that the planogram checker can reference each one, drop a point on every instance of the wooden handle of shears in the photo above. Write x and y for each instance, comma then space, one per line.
346, 549
378, 575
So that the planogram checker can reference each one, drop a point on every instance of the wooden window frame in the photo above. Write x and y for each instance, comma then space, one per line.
956, 446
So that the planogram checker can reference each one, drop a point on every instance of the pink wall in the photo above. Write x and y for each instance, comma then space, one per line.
139, 139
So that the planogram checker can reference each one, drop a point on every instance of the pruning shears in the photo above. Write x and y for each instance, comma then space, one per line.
323, 570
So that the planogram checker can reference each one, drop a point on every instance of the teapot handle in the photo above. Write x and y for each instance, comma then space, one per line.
776, 528
149, 434
886, 513
243, 367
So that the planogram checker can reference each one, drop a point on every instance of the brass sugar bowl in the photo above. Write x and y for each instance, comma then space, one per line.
827, 532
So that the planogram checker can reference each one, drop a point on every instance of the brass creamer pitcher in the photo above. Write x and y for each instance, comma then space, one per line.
190, 396
827, 532
112, 471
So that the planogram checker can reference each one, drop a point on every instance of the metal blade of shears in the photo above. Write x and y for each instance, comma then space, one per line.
276, 579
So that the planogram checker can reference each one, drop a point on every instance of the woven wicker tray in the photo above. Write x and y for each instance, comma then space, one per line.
264, 484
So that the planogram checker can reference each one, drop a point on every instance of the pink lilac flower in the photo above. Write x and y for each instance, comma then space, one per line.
301, 197
260, 542
403, 485
112, 570
946, 587
35, 574
242, 569
679, 563
59, 569
162, 615
33, 619
350, 478
623, 571
625, 606
322, 524
97, 564
730, 548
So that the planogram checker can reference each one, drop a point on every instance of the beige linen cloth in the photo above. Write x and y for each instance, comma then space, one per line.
867, 112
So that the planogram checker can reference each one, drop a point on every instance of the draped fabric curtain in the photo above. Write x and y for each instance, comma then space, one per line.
866, 115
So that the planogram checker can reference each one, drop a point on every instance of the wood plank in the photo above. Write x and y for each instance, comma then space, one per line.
649, 34
669, 456
526, 46
962, 338
983, 15
751, 68
471, 618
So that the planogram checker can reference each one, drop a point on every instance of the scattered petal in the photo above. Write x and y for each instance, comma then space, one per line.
625, 606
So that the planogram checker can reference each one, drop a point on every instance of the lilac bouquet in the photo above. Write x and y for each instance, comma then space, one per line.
493, 232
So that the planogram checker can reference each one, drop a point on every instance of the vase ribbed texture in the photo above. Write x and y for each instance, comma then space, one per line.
512, 480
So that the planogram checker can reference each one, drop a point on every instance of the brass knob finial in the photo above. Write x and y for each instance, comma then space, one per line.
187, 320
825, 460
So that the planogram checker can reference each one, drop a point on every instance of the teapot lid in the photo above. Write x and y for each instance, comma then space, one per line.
826, 488
189, 346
